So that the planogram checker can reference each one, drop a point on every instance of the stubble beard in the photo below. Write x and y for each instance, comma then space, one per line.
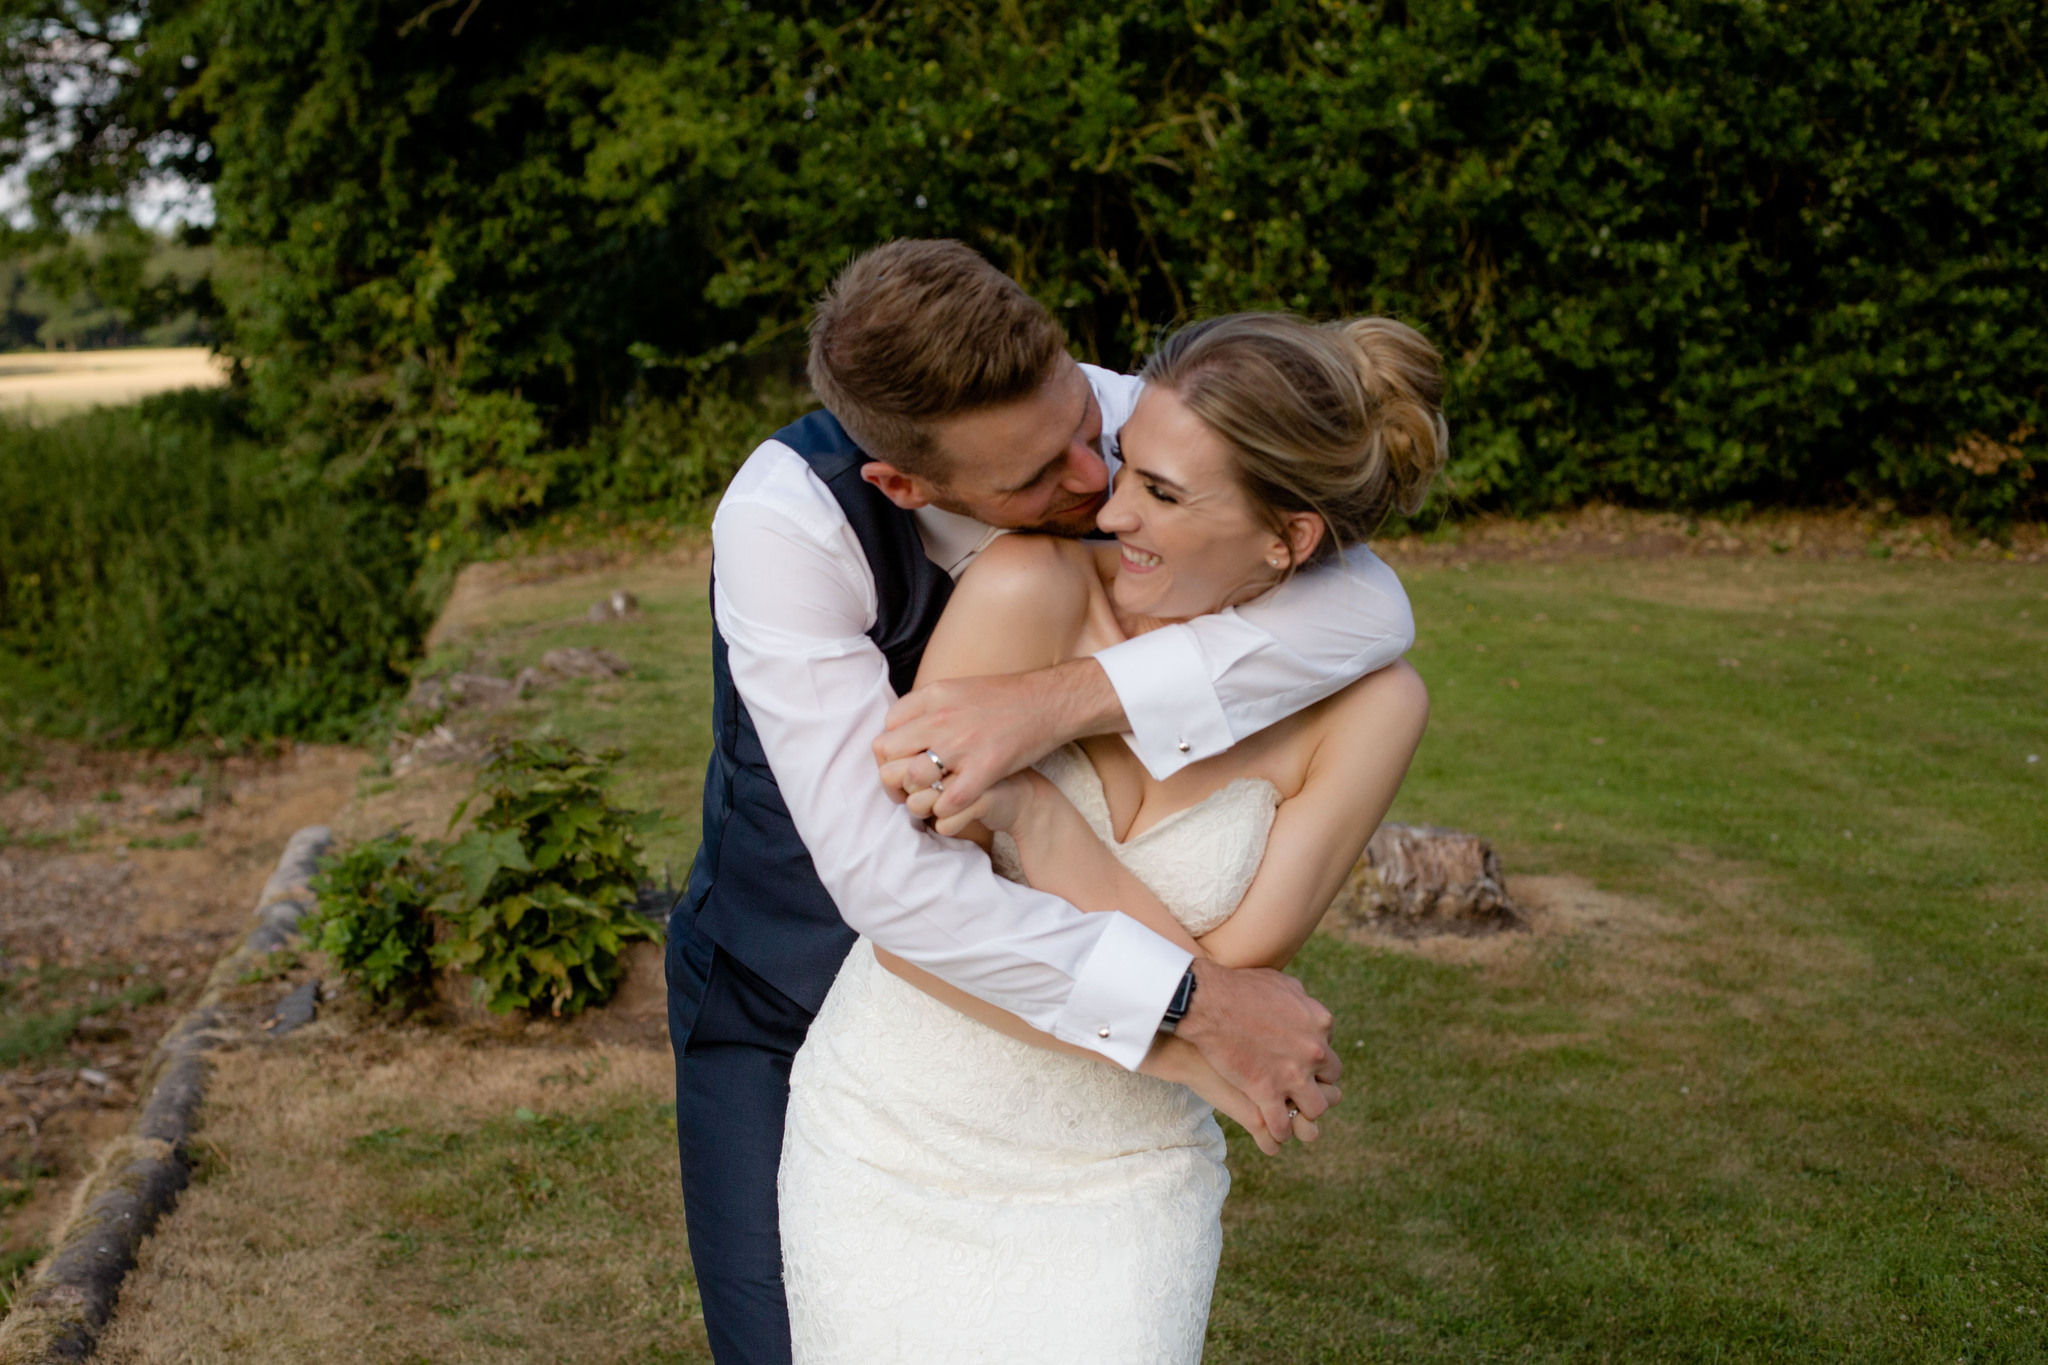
1070, 525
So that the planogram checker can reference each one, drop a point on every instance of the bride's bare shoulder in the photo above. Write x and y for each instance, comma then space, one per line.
1020, 605
1021, 568
1394, 699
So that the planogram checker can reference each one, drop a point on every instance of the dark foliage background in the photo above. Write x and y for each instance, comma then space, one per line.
494, 257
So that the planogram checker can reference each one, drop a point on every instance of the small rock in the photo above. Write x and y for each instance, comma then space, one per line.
584, 663
642, 992
297, 1009
438, 745
91, 1076
479, 689
427, 694
620, 606
530, 681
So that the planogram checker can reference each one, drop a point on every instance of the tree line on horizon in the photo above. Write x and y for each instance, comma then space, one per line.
97, 290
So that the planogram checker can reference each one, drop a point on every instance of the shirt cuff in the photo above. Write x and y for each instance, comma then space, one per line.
1162, 679
1122, 994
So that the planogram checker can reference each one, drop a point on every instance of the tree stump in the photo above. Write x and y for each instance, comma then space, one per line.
1417, 880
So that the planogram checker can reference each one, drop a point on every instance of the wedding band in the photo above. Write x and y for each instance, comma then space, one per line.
937, 762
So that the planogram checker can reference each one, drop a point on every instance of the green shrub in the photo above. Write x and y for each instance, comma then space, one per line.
374, 916
550, 875
173, 576
536, 901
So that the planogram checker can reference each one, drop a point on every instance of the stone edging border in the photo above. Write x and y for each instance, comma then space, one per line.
59, 1314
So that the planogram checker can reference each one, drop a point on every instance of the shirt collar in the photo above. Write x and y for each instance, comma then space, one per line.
951, 540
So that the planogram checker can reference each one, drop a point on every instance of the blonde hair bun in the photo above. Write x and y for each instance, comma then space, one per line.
1406, 375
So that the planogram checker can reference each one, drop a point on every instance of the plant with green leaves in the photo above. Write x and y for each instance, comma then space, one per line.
549, 879
163, 575
375, 915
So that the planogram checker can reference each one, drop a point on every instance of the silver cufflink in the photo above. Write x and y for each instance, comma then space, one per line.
1102, 1033
1183, 745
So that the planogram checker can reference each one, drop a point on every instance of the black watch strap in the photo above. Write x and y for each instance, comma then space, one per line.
1177, 1008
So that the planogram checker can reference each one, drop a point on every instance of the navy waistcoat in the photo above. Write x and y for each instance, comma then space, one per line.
752, 888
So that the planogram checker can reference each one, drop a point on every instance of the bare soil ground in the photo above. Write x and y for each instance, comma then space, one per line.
104, 939
53, 382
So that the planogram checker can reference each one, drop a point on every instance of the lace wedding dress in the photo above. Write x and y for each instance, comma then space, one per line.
951, 1195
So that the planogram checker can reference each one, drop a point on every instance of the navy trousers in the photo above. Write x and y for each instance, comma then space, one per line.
734, 1036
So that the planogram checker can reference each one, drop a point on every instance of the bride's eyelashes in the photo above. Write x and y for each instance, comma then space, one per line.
1159, 494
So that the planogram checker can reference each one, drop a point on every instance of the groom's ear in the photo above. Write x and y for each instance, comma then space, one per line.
905, 490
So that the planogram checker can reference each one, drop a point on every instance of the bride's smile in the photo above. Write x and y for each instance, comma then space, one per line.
1191, 539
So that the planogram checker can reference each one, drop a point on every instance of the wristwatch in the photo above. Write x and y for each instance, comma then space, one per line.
1177, 1008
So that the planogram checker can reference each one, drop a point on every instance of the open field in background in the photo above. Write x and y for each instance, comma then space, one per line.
50, 383
1765, 1083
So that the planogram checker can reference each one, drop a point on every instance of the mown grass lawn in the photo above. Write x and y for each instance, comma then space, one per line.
1785, 1098
1795, 1105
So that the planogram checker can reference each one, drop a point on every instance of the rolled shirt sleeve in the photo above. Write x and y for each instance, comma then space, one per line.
794, 600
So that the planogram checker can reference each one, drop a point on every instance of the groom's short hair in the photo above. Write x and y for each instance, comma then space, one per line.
916, 331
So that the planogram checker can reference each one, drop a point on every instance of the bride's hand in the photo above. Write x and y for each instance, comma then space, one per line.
1175, 1059
1003, 806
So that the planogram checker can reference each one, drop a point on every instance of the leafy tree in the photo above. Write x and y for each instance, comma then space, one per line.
1692, 251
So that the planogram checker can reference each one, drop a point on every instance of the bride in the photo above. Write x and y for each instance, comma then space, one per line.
956, 1186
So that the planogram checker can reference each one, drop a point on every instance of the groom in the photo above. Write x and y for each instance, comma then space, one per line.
951, 410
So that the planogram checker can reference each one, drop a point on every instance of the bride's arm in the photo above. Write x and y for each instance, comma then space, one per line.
1062, 855
1368, 737
1023, 605
1171, 1059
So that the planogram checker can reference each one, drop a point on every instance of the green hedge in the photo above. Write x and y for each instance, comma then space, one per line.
487, 260
175, 577
1696, 252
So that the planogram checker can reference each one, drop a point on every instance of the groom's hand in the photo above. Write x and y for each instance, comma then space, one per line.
984, 729
1264, 1035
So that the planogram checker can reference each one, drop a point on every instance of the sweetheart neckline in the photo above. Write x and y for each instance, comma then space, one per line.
1109, 814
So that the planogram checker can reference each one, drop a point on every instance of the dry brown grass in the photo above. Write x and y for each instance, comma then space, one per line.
93, 901
48, 383
406, 1195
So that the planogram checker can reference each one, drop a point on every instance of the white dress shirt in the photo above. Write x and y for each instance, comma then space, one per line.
795, 598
